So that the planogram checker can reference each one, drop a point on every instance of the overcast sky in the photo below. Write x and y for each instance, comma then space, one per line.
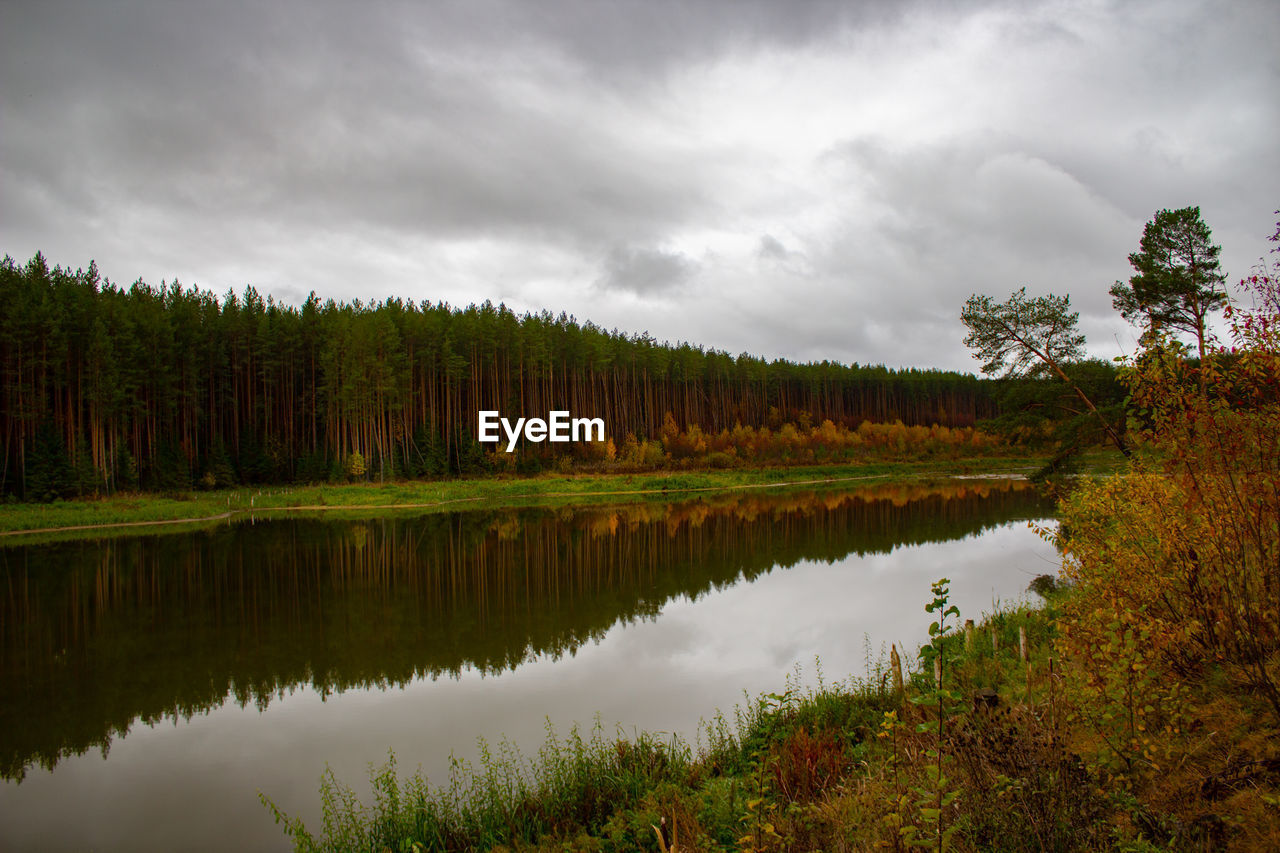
783, 177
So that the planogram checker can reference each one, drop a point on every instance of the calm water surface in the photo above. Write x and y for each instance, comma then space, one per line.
150, 686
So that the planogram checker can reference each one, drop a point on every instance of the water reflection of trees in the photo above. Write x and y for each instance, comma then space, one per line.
97, 635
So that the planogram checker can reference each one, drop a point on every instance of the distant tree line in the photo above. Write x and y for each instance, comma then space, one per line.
105, 387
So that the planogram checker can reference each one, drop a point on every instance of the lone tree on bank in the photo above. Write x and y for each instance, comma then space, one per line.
1177, 281
1030, 337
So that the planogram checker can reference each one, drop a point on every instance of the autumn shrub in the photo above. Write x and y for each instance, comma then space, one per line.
805, 764
1185, 551
355, 466
721, 459
1023, 788
796, 442
639, 455
1126, 629
1175, 611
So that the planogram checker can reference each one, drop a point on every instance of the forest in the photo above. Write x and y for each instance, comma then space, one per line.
106, 388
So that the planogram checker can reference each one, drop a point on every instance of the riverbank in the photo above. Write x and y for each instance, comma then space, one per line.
1004, 756
826, 767
23, 523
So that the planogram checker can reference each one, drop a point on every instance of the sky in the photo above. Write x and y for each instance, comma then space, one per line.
806, 179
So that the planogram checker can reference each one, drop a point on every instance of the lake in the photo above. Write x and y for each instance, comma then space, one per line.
150, 686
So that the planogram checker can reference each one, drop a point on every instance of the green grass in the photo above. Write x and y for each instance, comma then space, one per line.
830, 767
801, 769
580, 781
211, 508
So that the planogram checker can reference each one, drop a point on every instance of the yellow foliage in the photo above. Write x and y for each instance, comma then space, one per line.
1176, 564
670, 430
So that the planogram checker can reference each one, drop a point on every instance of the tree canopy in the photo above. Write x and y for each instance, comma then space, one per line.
1021, 336
1033, 337
1177, 280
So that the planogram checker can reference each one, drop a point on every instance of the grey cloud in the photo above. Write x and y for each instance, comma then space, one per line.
771, 248
644, 271
478, 148
772, 254
633, 39
316, 118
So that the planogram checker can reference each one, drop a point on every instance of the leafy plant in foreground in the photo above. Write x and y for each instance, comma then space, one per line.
936, 798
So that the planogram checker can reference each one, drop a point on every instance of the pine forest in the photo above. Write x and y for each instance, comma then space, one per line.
107, 387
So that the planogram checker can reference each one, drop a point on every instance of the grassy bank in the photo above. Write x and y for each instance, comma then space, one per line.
804, 769
1003, 757
212, 507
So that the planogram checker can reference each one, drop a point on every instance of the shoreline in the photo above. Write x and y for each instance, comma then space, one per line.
19, 522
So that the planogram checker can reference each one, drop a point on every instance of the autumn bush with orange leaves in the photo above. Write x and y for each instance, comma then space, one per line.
793, 443
1176, 564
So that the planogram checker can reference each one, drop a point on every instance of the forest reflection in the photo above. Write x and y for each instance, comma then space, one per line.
100, 634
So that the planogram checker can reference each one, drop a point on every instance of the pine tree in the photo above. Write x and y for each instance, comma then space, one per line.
49, 473
1177, 281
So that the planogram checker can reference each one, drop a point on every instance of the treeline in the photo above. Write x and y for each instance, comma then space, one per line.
107, 388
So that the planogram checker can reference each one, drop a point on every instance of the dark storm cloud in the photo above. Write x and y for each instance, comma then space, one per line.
810, 179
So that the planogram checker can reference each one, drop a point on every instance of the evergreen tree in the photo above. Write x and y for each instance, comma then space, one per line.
127, 470
87, 479
1030, 338
49, 473
1178, 280
221, 470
